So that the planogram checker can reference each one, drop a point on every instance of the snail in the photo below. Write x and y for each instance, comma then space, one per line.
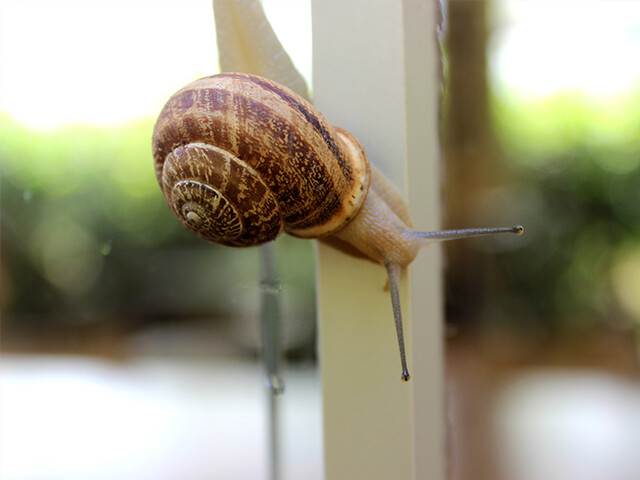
240, 159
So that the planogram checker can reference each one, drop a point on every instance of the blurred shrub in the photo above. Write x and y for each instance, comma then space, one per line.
71, 198
575, 165
88, 239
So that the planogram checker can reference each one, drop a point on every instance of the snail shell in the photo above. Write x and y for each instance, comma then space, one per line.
240, 159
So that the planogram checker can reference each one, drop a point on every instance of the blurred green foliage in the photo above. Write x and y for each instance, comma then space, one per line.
99, 177
574, 172
88, 238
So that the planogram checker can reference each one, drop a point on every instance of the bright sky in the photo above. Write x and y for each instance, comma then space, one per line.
105, 61
542, 47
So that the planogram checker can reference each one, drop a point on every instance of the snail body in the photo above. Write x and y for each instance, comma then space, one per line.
240, 159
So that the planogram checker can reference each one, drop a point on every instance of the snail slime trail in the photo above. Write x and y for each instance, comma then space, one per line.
241, 159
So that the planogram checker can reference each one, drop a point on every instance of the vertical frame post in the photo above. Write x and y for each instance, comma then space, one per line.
376, 73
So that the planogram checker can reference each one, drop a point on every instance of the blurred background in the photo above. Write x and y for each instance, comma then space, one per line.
130, 348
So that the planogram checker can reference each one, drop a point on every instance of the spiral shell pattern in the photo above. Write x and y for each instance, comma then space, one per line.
240, 159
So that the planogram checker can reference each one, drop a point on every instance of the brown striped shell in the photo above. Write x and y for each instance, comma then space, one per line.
240, 159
